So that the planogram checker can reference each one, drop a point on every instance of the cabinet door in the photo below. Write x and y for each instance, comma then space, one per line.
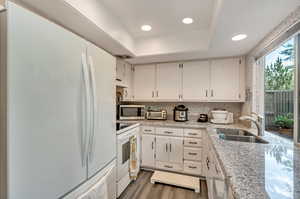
128, 80
162, 148
168, 82
176, 150
120, 71
195, 81
45, 117
225, 79
148, 146
100, 153
144, 82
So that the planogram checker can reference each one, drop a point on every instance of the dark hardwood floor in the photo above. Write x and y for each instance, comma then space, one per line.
143, 189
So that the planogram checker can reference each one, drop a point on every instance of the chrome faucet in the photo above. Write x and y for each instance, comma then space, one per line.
257, 122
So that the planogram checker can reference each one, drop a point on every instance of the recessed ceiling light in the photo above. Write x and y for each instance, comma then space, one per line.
146, 27
239, 37
187, 20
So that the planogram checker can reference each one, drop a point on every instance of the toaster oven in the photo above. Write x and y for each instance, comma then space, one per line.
156, 115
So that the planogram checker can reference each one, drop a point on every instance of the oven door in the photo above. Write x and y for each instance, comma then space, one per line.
123, 157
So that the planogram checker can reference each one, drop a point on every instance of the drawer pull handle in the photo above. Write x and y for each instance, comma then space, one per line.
192, 167
193, 142
192, 153
193, 133
168, 132
147, 130
169, 167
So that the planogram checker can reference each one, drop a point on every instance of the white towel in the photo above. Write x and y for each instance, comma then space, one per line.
133, 164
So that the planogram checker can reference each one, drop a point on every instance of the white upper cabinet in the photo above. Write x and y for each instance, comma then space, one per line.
225, 79
195, 81
168, 82
127, 74
123, 73
120, 73
144, 82
128, 80
221, 80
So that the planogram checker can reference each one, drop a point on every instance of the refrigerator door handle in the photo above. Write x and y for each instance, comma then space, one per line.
94, 109
87, 106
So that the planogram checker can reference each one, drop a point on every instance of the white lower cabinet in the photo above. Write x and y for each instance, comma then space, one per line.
148, 151
192, 154
192, 142
169, 153
162, 148
172, 149
192, 167
169, 149
169, 166
176, 150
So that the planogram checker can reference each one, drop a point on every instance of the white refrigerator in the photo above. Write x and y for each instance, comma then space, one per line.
57, 108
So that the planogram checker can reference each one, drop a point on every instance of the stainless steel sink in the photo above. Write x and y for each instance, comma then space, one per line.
234, 132
239, 136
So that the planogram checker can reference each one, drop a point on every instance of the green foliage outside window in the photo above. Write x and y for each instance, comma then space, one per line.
278, 76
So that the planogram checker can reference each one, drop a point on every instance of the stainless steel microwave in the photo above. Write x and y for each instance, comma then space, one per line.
131, 112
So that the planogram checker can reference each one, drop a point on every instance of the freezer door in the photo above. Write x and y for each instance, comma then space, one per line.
45, 107
102, 145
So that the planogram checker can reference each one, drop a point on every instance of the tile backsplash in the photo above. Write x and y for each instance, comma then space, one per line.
195, 108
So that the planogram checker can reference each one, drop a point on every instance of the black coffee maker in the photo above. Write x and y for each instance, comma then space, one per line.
180, 113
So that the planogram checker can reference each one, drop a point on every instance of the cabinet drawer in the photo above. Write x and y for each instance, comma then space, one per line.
169, 166
169, 131
192, 153
192, 167
148, 129
192, 142
194, 133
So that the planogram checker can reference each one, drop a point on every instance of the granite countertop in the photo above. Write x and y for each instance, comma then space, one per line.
253, 170
258, 171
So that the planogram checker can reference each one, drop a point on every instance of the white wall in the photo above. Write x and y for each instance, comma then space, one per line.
104, 19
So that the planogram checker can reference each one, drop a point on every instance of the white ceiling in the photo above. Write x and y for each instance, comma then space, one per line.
163, 15
215, 22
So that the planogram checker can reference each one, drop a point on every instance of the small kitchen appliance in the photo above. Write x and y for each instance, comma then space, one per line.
131, 112
221, 117
203, 118
156, 114
180, 113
